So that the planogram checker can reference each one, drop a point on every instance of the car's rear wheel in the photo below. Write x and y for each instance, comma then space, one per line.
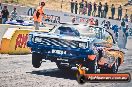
80, 78
36, 60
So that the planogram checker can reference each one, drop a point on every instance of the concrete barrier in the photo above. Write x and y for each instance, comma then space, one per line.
3, 29
14, 41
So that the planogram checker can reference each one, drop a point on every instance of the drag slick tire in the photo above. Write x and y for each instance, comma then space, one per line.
36, 60
80, 78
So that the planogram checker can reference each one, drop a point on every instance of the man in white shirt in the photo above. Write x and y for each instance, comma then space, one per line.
13, 14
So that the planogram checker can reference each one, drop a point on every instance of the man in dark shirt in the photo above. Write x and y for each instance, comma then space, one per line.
123, 23
76, 7
99, 9
112, 11
119, 12
5, 14
105, 10
95, 9
81, 6
72, 6
89, 9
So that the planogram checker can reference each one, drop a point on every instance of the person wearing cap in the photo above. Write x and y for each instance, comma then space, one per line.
99, 9
126, 35
89, 9
76, 7
115, 29
123, 23
122, 37
5, 14
81, 6
126, 18
13, 14
94, 9
38, 15
119, 12
112, 11
105, 10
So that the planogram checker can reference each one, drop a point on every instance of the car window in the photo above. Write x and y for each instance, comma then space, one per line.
70, 31
109, 38
99, 33
105, 35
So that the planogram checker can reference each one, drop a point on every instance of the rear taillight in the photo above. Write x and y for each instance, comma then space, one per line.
91, 57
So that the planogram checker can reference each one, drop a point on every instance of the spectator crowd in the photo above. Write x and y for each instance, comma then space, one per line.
83, 8
5, 14
120, 33
98, 10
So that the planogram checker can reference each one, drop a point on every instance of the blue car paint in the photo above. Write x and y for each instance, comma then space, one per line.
78, 52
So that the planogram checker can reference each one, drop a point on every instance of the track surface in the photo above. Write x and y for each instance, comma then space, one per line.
17, 71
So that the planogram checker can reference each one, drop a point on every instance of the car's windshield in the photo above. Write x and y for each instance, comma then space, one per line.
67, 30
80, 30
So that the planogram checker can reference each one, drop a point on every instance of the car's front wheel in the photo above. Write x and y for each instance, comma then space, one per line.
36, 60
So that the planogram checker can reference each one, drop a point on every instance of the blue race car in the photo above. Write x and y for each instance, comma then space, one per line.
69, 45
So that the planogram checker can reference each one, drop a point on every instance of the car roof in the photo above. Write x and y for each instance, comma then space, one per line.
75, 24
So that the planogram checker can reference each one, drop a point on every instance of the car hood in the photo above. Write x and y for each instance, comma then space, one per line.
51, 35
